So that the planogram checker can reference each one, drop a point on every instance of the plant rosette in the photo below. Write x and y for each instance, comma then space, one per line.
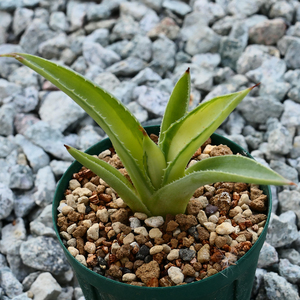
157, 181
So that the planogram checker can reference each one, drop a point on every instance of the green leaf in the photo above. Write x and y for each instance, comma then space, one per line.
111, 115
178, 103
112, 177
248, 169
183, 138
154, 160
174, 197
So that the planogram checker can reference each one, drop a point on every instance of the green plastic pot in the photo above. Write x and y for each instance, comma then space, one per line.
234, 283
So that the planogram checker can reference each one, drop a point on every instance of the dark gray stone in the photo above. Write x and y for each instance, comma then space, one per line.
224, 25
107, 81
291, 254
163, 55
7, 114
205, 40
134, 9
151, 99
284, 43
51, 140
66, 294
252, 58
125, 28
294, 93
149, 21
28, 280
60, 111
58, 21
243, 8
289, 271
28, 102
76, 13
187, 254
36, 33
140, 46
10, 5
21, 177
44, 254
5, 20
10, 284
124, 91
267, 256
207, 60
292, 58
271, 68
282, 229
17, 267
146, 75
45, 287
22, 18
23, 204
95, 54
138, 111
12, 237
6, 146
295, 152
290, 116
100, 35
259, 109
127, 67
52, 47
279, 137
292, 76
282, 9
97, 12
177, 7
23, 296
213, 11
24, 77
290, 200
45, 186
285, 170
277, 287
238, 139
42, 225
87, 137
275, 89
59, 167
36, 156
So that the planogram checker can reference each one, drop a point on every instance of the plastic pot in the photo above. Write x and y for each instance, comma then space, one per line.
234, 283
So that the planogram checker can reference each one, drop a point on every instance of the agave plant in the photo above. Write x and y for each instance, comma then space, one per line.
160, 182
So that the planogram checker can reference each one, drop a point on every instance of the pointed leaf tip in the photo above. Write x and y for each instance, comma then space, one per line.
293, 183
187, 70
13, 55
67, 147
252, 87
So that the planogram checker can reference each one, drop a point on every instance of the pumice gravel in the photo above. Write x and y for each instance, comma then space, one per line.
222, 222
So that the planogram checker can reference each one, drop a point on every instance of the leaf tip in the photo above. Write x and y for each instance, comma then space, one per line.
13, 55
251, 88
187, 70
67, 147
292, 183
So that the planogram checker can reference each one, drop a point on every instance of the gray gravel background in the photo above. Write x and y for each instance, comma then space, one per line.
137, 50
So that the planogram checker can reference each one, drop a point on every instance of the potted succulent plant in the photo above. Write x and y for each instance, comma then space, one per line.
155, 182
